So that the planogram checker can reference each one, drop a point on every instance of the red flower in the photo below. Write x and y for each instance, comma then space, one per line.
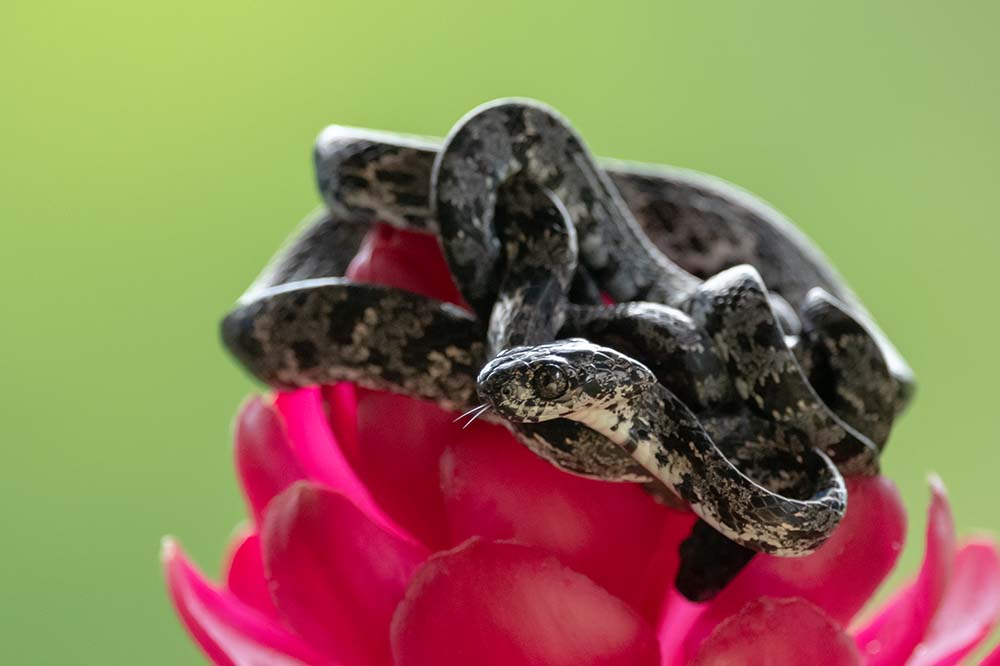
383, 534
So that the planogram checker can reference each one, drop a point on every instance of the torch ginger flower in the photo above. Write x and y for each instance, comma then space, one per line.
384, 534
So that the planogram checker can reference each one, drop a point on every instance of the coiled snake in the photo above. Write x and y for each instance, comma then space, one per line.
745, 401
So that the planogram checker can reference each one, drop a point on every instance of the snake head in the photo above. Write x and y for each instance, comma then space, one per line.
562, 379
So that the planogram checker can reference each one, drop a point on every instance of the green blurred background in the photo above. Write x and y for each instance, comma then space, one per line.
155, 154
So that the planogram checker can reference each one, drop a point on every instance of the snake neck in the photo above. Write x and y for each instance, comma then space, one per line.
631, 416
659, 431
540, 259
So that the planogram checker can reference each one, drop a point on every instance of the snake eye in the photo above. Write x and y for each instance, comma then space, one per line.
550, 381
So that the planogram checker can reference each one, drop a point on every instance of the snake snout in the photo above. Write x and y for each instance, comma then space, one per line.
495, 380
504, 384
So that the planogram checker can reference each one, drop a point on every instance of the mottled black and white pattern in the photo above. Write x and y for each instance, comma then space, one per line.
325, 330
747, 376
703, 224
621, 399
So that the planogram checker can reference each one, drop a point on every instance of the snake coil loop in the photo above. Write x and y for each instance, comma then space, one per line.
736, 369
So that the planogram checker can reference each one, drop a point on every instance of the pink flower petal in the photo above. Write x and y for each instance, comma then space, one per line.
312, 440
342, 413
653, 587
778, 632
401, 444
500, 604
230, 632
678, 616
891, 636
969, 610
614, 533
244, 573
406, 260
265, 462
335, 575
839, 577
291, 441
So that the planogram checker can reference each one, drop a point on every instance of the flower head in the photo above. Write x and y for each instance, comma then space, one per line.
382, 533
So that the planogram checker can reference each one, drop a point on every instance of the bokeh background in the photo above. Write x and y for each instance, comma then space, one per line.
155, 154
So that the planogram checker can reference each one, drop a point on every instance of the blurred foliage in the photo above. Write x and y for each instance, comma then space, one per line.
155, 154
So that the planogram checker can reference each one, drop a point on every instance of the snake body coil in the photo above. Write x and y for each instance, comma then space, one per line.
736, 368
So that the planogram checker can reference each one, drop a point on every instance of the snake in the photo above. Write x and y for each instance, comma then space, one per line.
730, 367
511, 139
704, 224
621, 399
512, 186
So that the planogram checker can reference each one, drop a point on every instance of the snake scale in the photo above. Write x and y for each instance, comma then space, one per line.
733, 371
